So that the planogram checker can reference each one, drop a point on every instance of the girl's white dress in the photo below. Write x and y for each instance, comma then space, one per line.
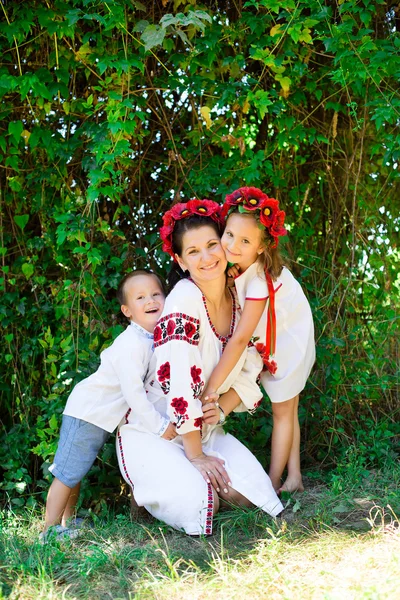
295, 345
187, 348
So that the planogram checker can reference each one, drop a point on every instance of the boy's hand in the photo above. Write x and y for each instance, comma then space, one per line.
170, 432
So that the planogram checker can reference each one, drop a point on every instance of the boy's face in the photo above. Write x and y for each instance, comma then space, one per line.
144, 301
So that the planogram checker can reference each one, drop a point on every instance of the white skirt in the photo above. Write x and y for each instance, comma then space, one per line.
173, 490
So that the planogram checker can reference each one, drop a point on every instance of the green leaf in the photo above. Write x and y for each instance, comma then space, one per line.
15, 128
28, 270
21, 221
152, 36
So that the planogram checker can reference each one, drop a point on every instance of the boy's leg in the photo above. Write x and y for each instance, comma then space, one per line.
70, 507
57, 500
282, 438
294, 481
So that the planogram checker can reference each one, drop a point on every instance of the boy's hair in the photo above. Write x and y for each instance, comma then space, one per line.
121, 287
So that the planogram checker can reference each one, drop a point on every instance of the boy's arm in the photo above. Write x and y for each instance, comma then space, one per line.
131, 370
252, 313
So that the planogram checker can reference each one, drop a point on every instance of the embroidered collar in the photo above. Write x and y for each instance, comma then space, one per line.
142, 330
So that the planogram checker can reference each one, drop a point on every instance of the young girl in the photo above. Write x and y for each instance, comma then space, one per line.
276, 318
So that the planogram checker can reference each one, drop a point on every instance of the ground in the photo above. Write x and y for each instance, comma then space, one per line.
340, 539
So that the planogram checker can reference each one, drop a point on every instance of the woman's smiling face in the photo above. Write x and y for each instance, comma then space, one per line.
202, 254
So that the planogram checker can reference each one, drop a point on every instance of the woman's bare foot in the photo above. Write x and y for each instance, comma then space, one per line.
292, 484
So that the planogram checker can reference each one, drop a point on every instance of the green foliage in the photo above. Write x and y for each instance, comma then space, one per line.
109, 111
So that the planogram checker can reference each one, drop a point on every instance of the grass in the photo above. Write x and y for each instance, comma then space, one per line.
336, 541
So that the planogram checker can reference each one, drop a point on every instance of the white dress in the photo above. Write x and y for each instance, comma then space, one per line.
187, 348
295, 345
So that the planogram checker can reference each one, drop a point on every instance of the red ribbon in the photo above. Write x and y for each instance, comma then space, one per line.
271, 318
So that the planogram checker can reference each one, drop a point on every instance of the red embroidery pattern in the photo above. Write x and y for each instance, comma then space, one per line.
198, 422
177, 326
210, 506
163, 376
197, 384
222, 338
256, 405
122, 452
180, 405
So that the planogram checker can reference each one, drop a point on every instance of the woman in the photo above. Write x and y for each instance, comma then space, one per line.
182, 482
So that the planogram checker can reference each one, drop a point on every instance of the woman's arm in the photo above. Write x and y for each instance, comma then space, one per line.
252, 312
228, 402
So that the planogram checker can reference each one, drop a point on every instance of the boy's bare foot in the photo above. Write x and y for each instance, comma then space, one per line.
292, 484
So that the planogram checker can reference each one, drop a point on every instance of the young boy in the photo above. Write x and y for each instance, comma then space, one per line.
97, 404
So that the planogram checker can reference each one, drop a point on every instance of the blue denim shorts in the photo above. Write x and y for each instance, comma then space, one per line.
79, 444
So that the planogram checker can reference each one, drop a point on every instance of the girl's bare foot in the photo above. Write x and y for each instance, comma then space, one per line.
292, 484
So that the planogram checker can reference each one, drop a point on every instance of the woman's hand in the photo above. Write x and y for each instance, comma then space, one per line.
170, 432
211, 411
213, 471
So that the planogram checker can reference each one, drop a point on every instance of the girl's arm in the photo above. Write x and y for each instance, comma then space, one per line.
252, 312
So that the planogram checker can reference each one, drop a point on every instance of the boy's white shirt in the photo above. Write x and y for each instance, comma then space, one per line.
118, 385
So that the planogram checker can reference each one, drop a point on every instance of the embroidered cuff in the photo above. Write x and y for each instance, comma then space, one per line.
164, 427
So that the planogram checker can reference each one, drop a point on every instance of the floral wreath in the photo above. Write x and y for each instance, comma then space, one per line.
182, 210
265, 209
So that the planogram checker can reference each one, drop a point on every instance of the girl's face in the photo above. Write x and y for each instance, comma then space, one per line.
202, 254
242, 240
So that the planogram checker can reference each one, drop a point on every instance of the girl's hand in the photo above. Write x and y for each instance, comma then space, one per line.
211, 412
170, 432
213, 471
233, 271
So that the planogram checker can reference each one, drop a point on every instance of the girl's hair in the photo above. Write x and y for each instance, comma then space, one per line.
180, 228
121, 287
270, 259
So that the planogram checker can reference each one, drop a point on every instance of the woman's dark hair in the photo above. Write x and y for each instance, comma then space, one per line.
180, 228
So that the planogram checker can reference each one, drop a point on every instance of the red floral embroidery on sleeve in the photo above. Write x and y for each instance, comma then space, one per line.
157, 334
190, 329
164, 376
177, 326
197, 384
170, 327
198, 422
180, 405
195, 373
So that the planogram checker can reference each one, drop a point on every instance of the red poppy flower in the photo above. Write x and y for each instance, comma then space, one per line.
253, 198
198, 422
268, 212
180, 405
164, 372
205, 208
195, 373
190, 329
171, 327
157, 333
277, 228
179, 211
235, 198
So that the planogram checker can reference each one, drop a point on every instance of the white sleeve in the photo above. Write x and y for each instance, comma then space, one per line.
179, 364
246, 384
131, 368
257, 289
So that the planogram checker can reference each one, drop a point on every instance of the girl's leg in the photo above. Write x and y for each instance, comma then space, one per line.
294, 480
57, 500
282, 438
70, 508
